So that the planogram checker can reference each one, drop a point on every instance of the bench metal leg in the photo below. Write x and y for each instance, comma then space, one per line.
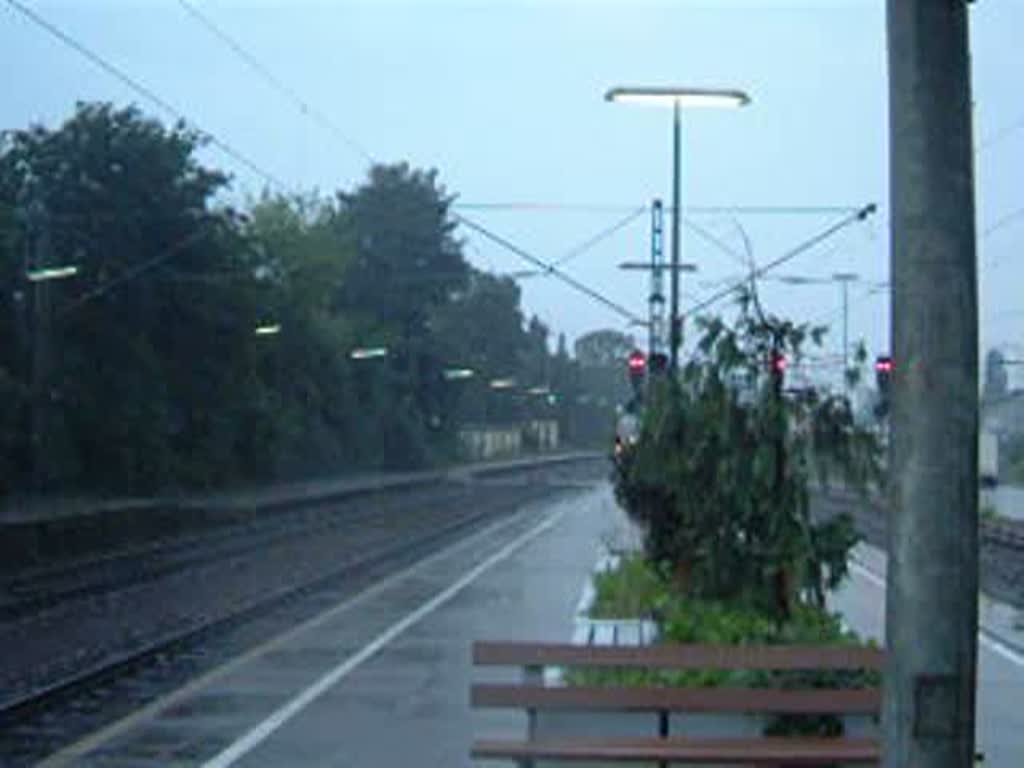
663, 731
531, 676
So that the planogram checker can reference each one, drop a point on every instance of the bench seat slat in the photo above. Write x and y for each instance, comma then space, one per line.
843, 701
792, 751
780, 657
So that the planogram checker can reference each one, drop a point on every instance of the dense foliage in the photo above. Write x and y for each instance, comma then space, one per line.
721, 475
638, 588
144, 371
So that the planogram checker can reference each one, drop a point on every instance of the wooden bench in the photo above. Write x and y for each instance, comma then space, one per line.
533, 696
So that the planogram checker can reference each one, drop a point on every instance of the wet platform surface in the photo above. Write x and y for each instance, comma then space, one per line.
1000, 716
383, 679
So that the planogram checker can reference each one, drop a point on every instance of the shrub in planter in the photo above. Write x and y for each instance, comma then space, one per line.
636, 588
720, 480
720, 477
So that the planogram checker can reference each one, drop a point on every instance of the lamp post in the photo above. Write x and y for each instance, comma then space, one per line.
678, 98
368, 353
844, 279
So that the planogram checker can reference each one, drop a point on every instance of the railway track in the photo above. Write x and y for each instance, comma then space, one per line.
81, 699
27, 594
871, 513
1001, 556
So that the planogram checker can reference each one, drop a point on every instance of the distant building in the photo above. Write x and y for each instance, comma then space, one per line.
490, 441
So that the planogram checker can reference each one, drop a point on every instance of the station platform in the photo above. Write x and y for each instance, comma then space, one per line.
1000, 718
382, 679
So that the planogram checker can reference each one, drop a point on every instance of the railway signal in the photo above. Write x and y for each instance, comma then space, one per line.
883, 379
657, 363
636, 364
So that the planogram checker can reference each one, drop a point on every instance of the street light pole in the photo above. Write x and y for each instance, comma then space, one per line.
844, 279
678, 98
37, 257
677, 214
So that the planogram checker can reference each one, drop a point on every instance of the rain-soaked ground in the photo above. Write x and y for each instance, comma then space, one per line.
382, 679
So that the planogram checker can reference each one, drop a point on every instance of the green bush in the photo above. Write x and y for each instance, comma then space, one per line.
636, 589
632, 589
720, 478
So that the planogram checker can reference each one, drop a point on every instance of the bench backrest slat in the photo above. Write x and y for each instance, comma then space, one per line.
765, 657
865, 701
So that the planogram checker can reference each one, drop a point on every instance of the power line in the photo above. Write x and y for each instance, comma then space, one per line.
1000, 134
859, 215
715, 241
548, 207
257, 66
994, 227
1002, 222
171, 251
830, 315
590, 242
557, 207
549, 268
142, 90
305, 108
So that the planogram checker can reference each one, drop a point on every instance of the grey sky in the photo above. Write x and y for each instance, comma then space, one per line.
505, 99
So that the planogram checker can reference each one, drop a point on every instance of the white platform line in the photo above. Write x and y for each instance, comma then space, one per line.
252, 738
75, 752
985, 637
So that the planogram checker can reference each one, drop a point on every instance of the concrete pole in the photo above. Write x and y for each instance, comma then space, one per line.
932, 596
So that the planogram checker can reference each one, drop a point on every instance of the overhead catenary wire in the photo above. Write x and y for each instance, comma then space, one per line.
256, 65
142, 90
999, 135
544, 266
167, 107
714, 210
604, 234
164, 255
1002, 221
264, 72
829, 316
860, 215
551, 269
716, 241
270, 178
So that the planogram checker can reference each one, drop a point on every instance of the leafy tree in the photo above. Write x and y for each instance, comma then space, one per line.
305, 369
155, 377
483, 327
407, 264
601, 358
407, 258
604, 349
147, 343
720, 478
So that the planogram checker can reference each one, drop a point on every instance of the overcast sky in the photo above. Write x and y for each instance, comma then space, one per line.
505, 100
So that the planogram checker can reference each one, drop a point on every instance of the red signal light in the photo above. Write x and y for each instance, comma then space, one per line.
779, 362
884, 365
636, 362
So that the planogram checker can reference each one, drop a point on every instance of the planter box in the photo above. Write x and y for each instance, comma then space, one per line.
636, 632
624, 631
